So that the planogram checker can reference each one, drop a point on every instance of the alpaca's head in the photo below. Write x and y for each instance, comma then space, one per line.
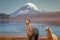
48, 30
27, 22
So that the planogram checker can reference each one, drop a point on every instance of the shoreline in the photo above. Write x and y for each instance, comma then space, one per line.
21, 37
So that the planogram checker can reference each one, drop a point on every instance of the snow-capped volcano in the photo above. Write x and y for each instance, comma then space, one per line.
28, 8
31, 6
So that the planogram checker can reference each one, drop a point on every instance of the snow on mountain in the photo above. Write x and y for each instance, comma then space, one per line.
28, 8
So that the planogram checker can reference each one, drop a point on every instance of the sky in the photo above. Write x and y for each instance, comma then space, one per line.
10, 6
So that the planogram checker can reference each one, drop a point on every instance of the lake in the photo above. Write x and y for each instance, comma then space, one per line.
20, 28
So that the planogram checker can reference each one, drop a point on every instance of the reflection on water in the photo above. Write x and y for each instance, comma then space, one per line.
4, 21
19, 28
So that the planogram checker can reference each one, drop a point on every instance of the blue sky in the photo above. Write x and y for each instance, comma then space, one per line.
9, 6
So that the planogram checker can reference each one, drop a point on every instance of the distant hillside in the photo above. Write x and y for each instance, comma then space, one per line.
40, 17
4, 16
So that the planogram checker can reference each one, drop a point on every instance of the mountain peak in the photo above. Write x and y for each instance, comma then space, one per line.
31, 5
28, 8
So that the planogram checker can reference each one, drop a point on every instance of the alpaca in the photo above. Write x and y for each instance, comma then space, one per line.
31, 32
50, 36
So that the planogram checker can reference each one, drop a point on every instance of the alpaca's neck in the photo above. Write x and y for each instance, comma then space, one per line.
49, 34
28, 29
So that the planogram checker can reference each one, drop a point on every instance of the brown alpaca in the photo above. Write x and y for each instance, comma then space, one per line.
50, 36
31, 32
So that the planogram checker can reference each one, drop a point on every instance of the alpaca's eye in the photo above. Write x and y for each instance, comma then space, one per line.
45, 30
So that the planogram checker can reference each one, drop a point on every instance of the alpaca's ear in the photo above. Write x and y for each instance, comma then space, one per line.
29, 20
47, 28
50, 29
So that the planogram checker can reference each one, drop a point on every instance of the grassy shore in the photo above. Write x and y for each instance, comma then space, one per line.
19, 37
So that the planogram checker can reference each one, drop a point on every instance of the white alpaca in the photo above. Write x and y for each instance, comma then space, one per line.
50, 36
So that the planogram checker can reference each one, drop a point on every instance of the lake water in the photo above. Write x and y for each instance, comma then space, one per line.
20, 28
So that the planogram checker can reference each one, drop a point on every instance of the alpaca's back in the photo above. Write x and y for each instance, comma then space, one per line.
54, 37
35, 31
